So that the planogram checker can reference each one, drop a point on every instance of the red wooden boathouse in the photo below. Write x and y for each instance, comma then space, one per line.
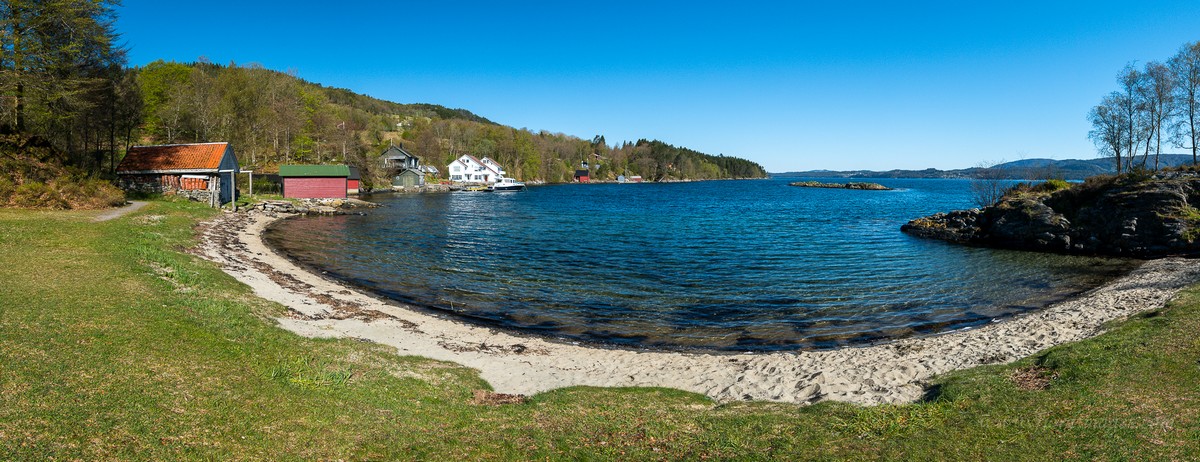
314, 181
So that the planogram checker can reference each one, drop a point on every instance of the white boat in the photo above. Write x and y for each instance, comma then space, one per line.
506, 184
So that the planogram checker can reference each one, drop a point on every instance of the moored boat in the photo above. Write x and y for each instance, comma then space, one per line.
506, 184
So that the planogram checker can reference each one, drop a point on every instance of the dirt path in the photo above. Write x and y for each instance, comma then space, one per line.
119, 212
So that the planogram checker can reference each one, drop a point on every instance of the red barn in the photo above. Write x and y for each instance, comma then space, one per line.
314, 181
582, 176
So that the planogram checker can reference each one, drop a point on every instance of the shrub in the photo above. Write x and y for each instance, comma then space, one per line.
1138, 174
1058, 183
1069, 201
1098, 182
986, 192
69, 191
61, 194
93, 193
37, 195
33, 174
1018, 188
1050, 186
6, 190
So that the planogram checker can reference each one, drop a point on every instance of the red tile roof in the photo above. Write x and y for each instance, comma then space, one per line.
201, 156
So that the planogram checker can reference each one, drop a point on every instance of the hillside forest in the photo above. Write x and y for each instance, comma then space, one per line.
275, 118
71, 88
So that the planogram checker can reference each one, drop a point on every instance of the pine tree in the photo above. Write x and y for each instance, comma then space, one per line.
51, 54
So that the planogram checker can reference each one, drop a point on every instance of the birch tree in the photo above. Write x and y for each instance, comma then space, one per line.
1185, 69
1130, 111
1109, 125
1158, 104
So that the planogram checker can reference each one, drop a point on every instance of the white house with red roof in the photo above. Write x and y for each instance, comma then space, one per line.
469, 169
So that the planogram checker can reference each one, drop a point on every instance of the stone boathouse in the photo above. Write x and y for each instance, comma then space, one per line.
202, 171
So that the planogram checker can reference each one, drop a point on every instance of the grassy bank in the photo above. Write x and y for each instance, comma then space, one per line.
116, 344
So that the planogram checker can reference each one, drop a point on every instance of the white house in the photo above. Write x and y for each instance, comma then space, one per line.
469, 169
494, 165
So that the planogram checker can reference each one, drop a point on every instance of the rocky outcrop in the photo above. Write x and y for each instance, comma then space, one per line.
960, 226
313, 206
1117, 216
862, 186
425, 188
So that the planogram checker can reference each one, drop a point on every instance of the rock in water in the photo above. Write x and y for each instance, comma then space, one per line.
1117, 216
862, 186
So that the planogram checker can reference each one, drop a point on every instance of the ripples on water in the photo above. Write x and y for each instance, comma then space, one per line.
728, 265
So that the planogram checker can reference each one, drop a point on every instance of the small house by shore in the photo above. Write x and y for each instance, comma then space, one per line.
201, 171
408, 179
315, 181
396, 157
406, 169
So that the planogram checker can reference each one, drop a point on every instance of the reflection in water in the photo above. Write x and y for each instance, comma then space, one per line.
746, 265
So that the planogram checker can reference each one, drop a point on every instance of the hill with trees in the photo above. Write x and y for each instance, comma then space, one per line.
1025, 169
275, 118
64, 80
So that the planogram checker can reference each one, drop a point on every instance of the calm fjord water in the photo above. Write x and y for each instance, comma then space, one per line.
724, 265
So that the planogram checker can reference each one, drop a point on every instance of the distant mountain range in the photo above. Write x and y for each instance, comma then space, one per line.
1026, 169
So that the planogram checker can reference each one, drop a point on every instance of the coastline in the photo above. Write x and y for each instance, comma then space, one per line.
894, 372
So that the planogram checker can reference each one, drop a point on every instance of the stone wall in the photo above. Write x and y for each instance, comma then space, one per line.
198, 195
314, 206
166, 185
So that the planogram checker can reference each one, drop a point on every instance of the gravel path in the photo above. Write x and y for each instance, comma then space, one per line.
119, 212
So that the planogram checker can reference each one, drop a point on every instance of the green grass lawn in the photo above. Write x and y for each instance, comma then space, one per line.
117, 344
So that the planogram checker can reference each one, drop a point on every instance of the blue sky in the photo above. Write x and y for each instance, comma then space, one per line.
791, 85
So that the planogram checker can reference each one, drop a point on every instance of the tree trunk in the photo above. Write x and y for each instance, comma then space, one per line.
1117, 151
1157, 147
112, 133
1192, 123
19, 65
1146, 152
20, 106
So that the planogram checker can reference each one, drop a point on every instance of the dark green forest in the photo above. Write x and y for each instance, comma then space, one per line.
75, 91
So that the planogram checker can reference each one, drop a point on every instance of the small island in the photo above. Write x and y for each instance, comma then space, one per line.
862, 186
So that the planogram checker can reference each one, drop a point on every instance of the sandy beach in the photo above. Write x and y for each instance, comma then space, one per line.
895, 372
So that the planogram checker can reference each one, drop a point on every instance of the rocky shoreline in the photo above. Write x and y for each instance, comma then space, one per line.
1149, 217
312, 207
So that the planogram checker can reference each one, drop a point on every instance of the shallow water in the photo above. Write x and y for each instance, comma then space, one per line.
725, 265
